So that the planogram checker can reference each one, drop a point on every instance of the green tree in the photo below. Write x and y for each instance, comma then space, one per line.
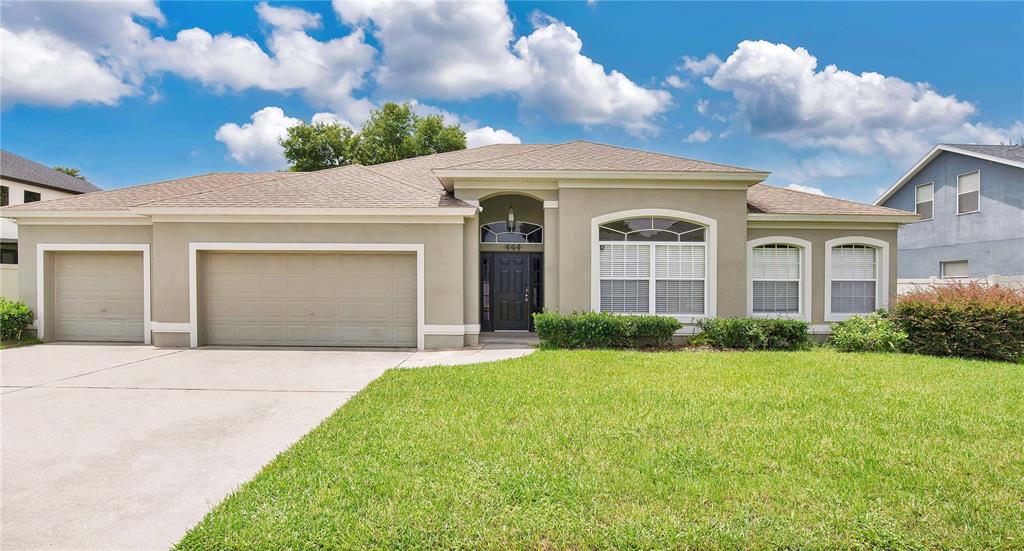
395, 132
317, 146
392, 133
71, 172
432, 136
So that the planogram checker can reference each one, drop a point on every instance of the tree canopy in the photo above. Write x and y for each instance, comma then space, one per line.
71, 172
393, 132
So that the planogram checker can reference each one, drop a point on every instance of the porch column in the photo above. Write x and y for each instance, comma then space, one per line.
471, 279
551, 255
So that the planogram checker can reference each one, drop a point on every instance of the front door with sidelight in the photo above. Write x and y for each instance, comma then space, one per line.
511, 289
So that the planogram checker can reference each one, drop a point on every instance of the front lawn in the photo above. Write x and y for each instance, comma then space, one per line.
604, 449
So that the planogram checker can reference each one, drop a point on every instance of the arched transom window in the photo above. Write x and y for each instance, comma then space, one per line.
518, 232
653, 265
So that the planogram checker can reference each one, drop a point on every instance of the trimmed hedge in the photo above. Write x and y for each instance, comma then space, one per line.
875, 332
603, 330
15, 316
754, 333
965, 320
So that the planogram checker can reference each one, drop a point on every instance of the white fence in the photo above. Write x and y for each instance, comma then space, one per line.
907, 285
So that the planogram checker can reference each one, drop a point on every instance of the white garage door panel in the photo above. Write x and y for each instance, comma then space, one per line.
98, 296
310, 299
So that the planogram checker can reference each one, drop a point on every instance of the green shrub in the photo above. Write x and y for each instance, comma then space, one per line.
754, 333
14, 318
965, 320
603, 330
872, 333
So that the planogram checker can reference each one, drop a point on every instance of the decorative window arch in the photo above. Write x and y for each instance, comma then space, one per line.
856, 277
519, 232
779, 277
657, 261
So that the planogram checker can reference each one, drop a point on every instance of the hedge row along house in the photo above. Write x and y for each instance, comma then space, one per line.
430, 252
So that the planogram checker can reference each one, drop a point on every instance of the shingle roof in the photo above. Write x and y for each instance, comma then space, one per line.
766, 199
1009, 152
351, 186
137, 196
410, 183
588, 156
17, 167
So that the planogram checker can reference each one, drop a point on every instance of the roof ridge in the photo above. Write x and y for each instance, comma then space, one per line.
841, 200
540, 147
393, 179
283, 175
624, 148
403, 182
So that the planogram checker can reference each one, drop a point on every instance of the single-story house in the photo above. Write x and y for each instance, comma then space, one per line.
26, 181
429, 252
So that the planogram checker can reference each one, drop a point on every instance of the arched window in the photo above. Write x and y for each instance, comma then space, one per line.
652, 265
854, 285
519, 232
775, 276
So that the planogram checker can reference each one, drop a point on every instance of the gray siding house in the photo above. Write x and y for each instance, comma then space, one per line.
971, 202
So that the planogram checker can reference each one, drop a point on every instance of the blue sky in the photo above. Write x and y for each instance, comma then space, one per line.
836, 97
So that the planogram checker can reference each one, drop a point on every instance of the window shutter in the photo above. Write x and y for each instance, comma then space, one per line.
625, 261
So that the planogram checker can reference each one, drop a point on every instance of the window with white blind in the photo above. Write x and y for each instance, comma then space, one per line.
854, 284
775, 275
924, 201
968, 192
652, 265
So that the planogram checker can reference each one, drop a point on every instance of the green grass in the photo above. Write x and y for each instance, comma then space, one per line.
25, 341
612, 450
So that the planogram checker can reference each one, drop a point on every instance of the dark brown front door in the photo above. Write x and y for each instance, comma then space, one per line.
511, 291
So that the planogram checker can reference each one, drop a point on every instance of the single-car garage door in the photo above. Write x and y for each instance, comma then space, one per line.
309, 299
98, 296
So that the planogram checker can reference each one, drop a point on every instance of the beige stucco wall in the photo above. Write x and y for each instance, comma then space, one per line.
31, 235
443, 258
577, 207
9, 281
818, 236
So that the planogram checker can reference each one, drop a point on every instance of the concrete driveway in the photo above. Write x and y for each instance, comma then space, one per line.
127, 447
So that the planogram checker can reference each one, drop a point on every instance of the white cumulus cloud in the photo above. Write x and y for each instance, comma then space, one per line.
806, 189
700, 66
255, 143
673, 81
43, 69
487, 136
700, 135
782, 94
568, 86
463, 50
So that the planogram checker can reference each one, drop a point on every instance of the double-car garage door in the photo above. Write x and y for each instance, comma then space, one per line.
308, 299
248, 298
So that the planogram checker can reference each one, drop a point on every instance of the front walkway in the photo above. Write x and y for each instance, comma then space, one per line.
126, 447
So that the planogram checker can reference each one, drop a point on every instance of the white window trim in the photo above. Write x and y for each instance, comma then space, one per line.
193, 282
916, 202
42, 293
710, 259
805, 276
958, 213
881, 273
942, 269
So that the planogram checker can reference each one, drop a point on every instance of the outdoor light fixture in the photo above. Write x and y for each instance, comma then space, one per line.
511, 220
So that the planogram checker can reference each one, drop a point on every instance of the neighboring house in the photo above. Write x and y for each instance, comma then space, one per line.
971, 202
25, 181
429, 252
